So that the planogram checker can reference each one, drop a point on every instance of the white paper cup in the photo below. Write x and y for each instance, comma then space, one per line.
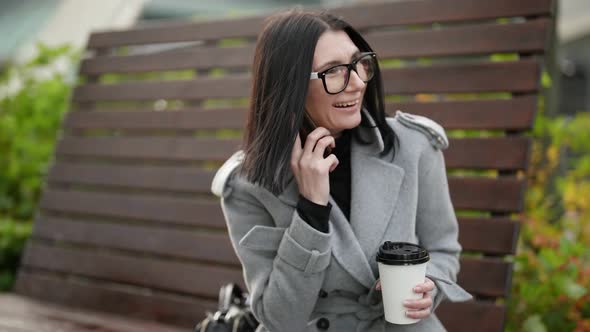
402, 266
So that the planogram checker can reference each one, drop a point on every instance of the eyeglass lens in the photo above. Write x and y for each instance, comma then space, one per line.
337, 77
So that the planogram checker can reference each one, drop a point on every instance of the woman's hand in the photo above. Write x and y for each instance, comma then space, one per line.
310, 167
419, 308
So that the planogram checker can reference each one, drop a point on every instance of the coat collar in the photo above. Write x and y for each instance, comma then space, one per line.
375, 185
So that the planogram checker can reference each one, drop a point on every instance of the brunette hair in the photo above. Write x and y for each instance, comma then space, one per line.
282, 66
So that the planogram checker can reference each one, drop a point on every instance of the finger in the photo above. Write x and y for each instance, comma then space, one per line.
322, 144
312, 139
418, 304
296, 153
333, 161
378, 286
418, 314
427, 286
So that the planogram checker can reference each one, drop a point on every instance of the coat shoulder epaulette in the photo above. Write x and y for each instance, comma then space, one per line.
433, 131
223, 173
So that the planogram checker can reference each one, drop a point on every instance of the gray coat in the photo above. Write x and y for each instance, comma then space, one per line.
297, 275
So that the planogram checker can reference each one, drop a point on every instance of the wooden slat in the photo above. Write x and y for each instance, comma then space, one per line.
511, 114
508, 153
137, 303
202, 58
500, 195
497, 195
526, 37
485, 276
504, 153
184, 244
464, 40
143, 119
162, 274
472, 315
19, 313
187, 211
386, 13
162, 148
517, 76
205, 280
496, 236
361, 16
178, 179
487, 235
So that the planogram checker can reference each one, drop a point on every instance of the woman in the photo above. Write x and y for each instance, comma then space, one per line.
325, 178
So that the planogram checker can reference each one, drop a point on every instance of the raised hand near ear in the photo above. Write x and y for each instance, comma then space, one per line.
310, 167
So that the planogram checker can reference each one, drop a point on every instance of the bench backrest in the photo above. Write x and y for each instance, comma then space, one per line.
127, 223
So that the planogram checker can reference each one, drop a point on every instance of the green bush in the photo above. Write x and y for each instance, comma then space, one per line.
551, 280
33, 99
13, 236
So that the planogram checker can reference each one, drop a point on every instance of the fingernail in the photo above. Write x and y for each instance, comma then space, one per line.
417, 289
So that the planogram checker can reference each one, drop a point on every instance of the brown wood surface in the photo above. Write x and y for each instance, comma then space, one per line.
517, 113
484, 38
496, 195
472, 316
361, 16
164, 210
528, 37
223, 118
488, 236
176, 179
496, 236
195, 180
157, 148
504, 153
165, 274
484, 276
208, 247
509, 114
487, 194
198, 279
514, 76
180, 310
23, 314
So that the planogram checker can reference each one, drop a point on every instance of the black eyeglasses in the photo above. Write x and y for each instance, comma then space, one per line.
336, 78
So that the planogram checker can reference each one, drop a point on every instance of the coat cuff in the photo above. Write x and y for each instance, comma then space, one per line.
446, 288
305, 248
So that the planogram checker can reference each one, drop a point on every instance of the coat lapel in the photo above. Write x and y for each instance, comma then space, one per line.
345, 246
375, 186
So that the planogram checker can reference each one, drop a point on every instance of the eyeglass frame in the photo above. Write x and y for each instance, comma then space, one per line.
350, 66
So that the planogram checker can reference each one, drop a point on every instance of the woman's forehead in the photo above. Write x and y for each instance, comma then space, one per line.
333, 46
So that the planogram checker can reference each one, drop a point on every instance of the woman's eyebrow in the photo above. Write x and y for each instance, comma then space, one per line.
335, 62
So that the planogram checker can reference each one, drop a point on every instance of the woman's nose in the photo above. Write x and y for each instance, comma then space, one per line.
355, 82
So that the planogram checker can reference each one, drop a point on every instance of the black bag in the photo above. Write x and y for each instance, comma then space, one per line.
233, 314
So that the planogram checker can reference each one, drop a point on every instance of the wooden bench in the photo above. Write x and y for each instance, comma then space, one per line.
127, 225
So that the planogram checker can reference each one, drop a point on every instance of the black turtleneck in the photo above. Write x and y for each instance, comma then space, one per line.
317, 215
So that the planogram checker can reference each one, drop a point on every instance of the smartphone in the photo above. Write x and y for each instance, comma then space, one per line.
306, 128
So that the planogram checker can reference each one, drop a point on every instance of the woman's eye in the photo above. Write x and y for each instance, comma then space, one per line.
335, 70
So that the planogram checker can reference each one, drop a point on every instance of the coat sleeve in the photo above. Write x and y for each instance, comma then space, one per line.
284, 268
437, 227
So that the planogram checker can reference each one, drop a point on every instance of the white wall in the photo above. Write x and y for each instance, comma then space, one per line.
75, 19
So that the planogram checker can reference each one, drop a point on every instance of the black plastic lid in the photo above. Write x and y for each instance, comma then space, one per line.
402, 253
